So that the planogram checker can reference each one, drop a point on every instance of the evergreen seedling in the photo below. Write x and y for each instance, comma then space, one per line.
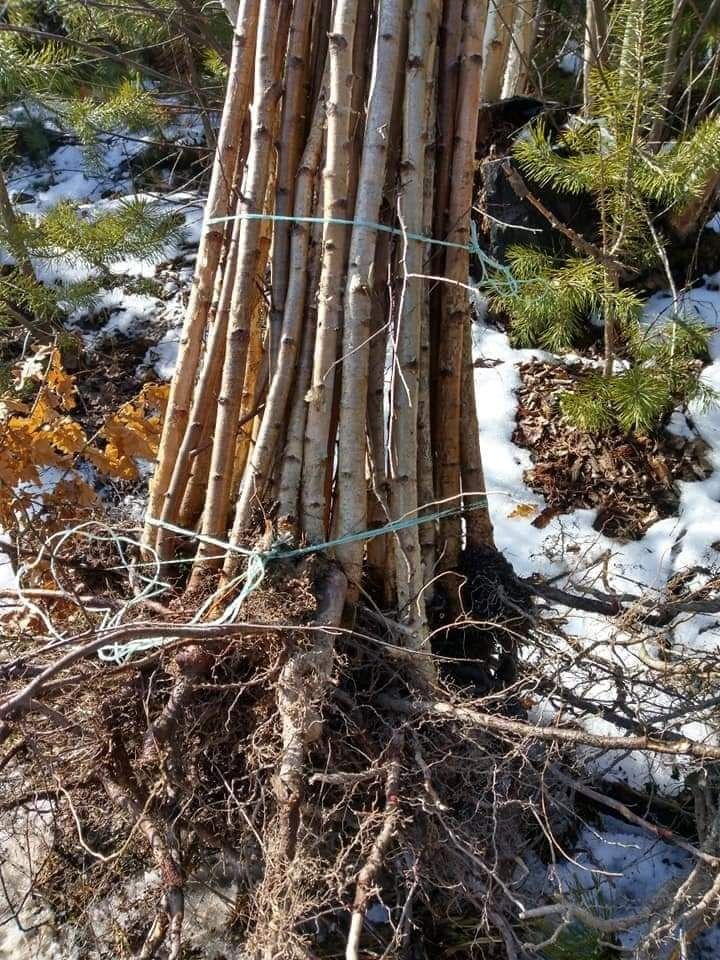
612, 157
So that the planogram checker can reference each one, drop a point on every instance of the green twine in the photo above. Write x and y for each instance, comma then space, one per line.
256, 567
486, 261
279, 552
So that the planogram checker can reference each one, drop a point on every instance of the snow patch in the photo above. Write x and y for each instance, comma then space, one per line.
163, 356
570, 62
569, 550
28, 929
129, 314
617, 871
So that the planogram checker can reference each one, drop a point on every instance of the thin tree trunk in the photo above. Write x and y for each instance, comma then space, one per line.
198, 434
406, 389
335, 242
318, 48
478, 528
217, 503
522, 41
197, 443
426, 474
254, 384
218, 205
448, 73
594, 49
450, 48
671, 57
257, 474
9, 221
195, 86
379, 494
381, 550
256, 376
352, 496
292, 134
292, 465
496, 44
363, 49
202, 419
457, 264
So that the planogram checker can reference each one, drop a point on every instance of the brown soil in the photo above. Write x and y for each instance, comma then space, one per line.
628, 479
108, 378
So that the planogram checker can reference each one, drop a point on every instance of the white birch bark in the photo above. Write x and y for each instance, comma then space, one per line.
352, 486
318, 443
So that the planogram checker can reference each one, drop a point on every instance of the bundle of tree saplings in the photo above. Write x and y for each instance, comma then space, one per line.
324, 384
323, 401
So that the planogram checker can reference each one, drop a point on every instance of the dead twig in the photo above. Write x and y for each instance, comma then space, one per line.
580, 243
366, 877
504, 725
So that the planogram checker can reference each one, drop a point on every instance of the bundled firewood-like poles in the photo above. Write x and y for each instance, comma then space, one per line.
324, 381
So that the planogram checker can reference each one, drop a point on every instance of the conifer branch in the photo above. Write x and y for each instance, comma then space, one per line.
617, 267
100, 52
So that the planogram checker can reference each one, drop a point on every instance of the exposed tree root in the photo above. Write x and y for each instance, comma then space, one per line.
300, 754
368, 875
301, 690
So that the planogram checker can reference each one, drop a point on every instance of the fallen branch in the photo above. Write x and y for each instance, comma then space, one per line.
571, 911
627, 814
580, 243
528, 731
19, 702
610, 605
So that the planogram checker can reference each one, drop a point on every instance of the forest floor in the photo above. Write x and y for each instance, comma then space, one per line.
626, 517
652, 521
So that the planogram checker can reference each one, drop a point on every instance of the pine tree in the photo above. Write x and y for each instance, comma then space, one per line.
611, 156
53, 75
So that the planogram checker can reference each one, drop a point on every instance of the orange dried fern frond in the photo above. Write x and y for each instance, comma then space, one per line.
40, 435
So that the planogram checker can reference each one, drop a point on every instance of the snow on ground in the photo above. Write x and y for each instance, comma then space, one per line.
7, 575
670, 545
209, 909
29, 930
8, 578
125, 310
27, 927
618, 866
569, 548
616, 870
163, 356
96, 185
